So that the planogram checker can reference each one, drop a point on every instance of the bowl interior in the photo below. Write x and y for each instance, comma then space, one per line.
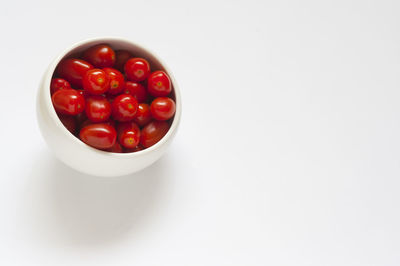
137, 51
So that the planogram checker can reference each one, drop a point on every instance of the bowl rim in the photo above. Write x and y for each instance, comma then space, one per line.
64, 130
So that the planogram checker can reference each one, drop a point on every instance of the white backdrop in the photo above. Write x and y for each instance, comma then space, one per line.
288, 151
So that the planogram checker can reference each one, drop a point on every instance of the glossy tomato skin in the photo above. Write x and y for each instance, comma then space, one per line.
162, 108
124, 107
129, 135
98, 109
153, 133
68, 102
96, 81
143, 115
159, 84
58, 84
100, 136
121, 56
73, 70
100, 56
137, 90
69, 122
137, 69
117, 81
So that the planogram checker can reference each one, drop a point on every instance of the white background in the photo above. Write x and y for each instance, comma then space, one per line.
288, 151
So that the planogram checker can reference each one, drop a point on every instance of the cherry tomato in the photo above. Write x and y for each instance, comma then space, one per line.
73, 70
68, 102
129, 135
124, 107
117, 82
58, 84
121, 56
162, 108
69, 122
100, 55
153, 132
159, 84
117, 148
96, 81
137, 90
143, 115
98, 109
101, 136
137, 69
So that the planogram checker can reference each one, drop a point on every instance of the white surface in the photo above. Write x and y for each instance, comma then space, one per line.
73, 152
288, 151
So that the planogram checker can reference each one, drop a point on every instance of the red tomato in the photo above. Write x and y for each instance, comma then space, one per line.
129, 135
162, 108
117, 81
100, 55
68, 102
124, 107
58, 84
136, 90
121, 56
73, 70
137, 69
159, 84
143, 115
153, 132
98, 109
69, 122
101, 136
96, 81
117, 148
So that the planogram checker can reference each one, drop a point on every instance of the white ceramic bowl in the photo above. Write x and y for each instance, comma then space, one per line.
77, 154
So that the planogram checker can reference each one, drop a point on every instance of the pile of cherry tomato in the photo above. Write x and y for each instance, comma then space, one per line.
112, 100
